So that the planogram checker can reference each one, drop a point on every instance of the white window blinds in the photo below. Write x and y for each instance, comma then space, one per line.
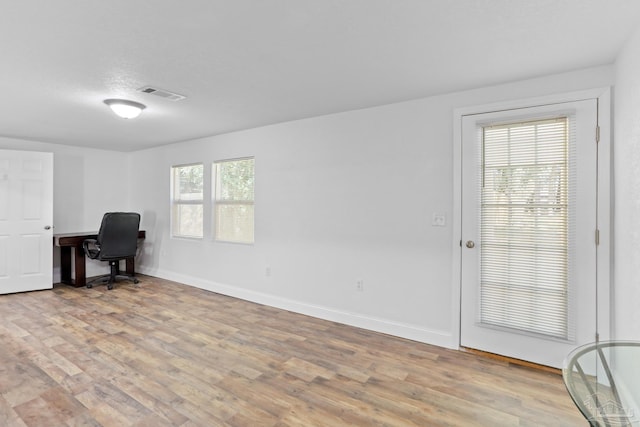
234, 200
187, 200
525, 227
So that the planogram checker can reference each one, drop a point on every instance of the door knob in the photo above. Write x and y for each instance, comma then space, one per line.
470, 244
47, 227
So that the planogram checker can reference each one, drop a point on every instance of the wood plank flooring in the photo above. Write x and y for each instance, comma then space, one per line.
166, 354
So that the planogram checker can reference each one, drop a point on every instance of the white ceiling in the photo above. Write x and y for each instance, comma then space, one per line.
247, 63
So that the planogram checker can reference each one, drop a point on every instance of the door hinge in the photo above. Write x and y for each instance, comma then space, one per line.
597, 134
597, 237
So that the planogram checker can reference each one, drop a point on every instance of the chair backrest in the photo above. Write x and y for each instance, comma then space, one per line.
118, 235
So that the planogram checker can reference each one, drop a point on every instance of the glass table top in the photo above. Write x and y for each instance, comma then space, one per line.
603, 380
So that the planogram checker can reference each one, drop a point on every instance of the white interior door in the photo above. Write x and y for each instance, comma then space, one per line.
26, 216
529, 219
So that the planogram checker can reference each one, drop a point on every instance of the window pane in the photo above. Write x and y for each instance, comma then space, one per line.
187, 182
235, 180
525, 227
187, 220
234, 223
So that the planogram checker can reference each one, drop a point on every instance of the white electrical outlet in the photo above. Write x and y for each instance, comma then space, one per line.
438, 220
360, 285
267, 271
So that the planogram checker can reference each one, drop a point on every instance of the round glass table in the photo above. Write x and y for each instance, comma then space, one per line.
603, 380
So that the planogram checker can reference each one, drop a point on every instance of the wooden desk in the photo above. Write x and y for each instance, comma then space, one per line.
69, 241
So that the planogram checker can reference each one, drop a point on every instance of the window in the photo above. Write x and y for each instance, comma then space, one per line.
233, 200
187, 201
525, 226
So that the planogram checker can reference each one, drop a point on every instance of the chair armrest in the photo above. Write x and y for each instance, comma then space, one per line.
91, 248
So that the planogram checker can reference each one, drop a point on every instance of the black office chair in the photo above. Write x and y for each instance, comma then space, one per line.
117, 240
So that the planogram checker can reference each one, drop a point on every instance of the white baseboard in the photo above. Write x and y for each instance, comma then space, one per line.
386, 326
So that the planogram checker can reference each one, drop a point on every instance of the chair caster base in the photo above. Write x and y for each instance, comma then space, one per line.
111, 280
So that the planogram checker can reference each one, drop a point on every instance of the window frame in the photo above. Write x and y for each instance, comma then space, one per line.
215, 201
180, 202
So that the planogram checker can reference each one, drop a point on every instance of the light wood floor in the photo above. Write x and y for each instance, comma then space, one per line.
166, 354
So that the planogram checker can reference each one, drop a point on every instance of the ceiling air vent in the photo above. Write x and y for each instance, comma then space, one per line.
171, 96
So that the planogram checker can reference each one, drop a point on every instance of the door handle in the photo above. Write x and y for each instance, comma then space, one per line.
48, 227
470, 244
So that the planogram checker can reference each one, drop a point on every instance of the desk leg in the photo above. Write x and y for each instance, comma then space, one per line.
65, 265
131, 270
81, 271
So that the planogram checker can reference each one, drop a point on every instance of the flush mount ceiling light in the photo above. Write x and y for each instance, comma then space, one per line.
125, 109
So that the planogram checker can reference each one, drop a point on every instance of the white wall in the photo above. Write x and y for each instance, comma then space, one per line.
626, 292
86, 183
338, 198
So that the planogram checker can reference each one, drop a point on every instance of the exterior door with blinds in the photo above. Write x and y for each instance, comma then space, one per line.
529, 198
